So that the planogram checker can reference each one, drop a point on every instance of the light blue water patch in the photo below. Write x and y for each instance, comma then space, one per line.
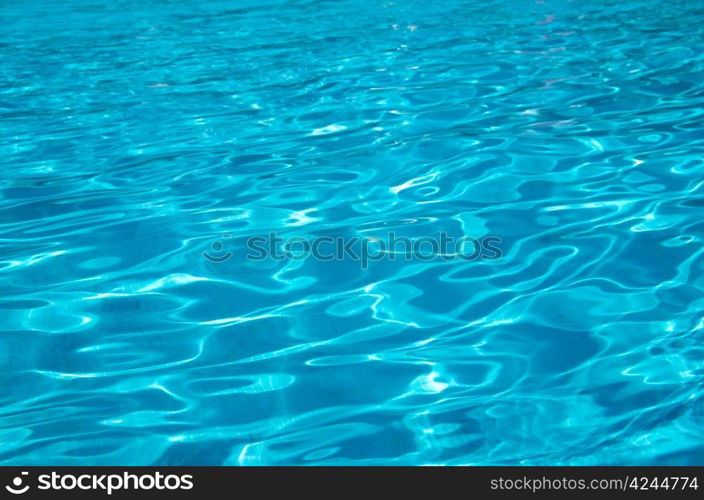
143, 143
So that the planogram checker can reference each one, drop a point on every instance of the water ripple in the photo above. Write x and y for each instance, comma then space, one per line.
137, 136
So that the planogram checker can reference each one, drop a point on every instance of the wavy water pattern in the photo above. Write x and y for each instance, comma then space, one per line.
135, 135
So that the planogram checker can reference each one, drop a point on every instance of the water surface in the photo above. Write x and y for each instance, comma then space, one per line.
136, 135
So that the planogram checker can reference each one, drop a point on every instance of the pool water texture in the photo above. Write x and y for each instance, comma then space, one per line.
137, 136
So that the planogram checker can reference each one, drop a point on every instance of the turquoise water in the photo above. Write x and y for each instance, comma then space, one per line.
143, 142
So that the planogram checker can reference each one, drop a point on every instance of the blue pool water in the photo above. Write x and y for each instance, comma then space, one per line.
143, 142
